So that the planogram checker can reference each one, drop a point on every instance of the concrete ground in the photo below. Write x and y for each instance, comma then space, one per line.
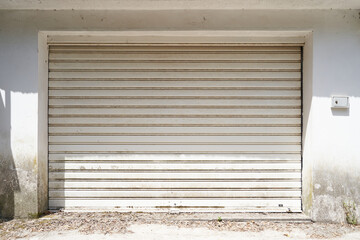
163, 232
158, 226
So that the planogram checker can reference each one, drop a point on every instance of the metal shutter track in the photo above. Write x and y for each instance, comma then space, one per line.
158, 126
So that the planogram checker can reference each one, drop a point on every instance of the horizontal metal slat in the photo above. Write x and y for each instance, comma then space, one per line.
224, 171
267, 103
175, 194
77, 125
178, 57
165, 70
176, 157
99, 153
90, 134
175, 111
167, 97
171, 66
159, 107
166, 121
112, 60
269, 88
173, 185
175, 130
173, 139
251, 93
186, 80
177, 83
186, 148
172, 48
173, 175
61, 166
172, 51
171, 116
220, 204
175, 46
172, 74
87, 159
174, 143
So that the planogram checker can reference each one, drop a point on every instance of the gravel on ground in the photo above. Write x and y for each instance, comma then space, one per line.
115, 222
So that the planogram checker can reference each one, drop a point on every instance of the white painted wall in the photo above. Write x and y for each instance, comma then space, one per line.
331, 145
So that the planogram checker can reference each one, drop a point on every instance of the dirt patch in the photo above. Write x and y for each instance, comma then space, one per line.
106, 223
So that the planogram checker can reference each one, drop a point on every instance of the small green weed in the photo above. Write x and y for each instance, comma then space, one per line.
350, 212
34, 215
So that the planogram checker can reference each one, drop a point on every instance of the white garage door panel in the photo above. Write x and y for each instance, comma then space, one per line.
197, 127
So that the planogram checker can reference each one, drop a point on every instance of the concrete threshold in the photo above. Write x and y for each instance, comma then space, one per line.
243, 217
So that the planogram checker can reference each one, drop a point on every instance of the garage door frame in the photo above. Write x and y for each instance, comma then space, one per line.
244, 38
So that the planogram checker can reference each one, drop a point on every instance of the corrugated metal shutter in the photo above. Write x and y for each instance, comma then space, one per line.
191, 126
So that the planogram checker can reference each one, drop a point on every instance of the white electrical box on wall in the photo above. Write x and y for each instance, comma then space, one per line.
340, 102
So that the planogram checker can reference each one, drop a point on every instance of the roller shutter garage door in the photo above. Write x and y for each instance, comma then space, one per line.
160, 126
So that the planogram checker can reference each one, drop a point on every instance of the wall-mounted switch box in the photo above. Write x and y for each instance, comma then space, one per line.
340, 102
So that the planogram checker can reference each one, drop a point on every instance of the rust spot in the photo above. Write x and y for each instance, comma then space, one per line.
165, 207
35, 164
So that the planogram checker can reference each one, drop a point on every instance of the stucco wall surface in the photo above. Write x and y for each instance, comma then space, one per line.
331, 146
